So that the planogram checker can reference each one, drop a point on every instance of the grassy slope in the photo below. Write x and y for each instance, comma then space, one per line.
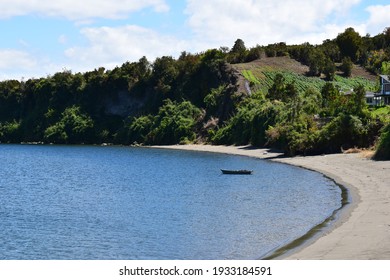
262, 72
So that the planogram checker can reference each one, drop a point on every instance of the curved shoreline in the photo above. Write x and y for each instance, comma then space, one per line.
317, 231
362, 229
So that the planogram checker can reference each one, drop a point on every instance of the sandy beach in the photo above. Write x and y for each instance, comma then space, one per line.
362, 229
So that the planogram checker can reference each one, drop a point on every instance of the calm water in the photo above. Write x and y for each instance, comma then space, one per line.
84, 202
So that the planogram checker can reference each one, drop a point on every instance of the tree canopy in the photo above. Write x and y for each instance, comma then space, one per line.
197, 97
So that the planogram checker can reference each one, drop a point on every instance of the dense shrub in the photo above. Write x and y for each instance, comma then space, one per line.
10, 132
139, 129
174, 123
249, 124
383, 147
343, 132
74, 127
298, 137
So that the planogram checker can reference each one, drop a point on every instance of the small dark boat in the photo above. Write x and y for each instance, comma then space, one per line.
238, 172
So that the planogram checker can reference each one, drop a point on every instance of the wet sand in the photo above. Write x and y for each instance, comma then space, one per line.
362, 229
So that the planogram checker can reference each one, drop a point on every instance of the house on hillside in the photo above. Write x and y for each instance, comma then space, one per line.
384, 93
383, 96
372, 99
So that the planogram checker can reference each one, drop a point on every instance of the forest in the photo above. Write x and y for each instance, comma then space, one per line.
197, 98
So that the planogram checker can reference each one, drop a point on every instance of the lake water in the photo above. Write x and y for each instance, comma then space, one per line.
86, 202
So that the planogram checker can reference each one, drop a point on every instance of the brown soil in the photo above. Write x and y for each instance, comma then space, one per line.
274, 63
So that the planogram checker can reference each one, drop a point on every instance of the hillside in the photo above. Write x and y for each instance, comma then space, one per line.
272, 100
301, 114
260, 74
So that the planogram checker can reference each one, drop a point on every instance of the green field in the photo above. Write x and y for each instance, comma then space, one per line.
261, 75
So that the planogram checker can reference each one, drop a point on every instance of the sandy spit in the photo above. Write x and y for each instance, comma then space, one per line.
362, 230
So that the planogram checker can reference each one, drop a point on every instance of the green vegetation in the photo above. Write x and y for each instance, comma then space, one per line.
73, 127
250, 77
174, 123
382, 113
383, 148
303, 99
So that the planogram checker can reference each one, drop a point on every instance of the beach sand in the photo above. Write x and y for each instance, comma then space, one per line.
362, 229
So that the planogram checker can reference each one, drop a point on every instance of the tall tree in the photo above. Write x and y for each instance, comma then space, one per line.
239, 46
386, 33
346, 66
329, 69
165, 73
331, 50
349, 43
277, 90
357, 100
330, 96
316, 62
238, 52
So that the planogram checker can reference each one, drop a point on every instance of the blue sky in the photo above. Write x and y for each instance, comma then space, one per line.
41, 37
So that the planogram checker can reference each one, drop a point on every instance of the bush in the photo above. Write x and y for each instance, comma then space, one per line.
346, 66
74, 127
383, 147
249, 124
174, 123
223, 136
139, 128
343, 132
294, 138
10, 132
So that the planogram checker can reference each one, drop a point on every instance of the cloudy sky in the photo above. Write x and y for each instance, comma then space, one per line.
41, 37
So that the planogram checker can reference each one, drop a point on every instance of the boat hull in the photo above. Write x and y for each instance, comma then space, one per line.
236, 172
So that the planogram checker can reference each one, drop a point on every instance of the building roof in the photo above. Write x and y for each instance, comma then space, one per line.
385, 77
370, 94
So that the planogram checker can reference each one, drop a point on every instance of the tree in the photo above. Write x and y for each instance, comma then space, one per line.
174, 123
346, 66
294, 102
254, 53
238, 52
330, 95
165, 73
277, 49
316, 62
385, 69
386, 33
349, 43
239, 47
357, 101
303, 53
139, 129
329, 69
383, 147
74, 127
311, 101
331, 50
344, 131
277, 90
10, 95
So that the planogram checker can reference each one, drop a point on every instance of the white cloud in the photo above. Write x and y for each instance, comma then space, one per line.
264, 21
14, 63
77, 9
15, 59
17, 64
211, 24
112, 46
379, 18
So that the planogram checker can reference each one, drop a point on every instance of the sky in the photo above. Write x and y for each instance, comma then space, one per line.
42, 37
